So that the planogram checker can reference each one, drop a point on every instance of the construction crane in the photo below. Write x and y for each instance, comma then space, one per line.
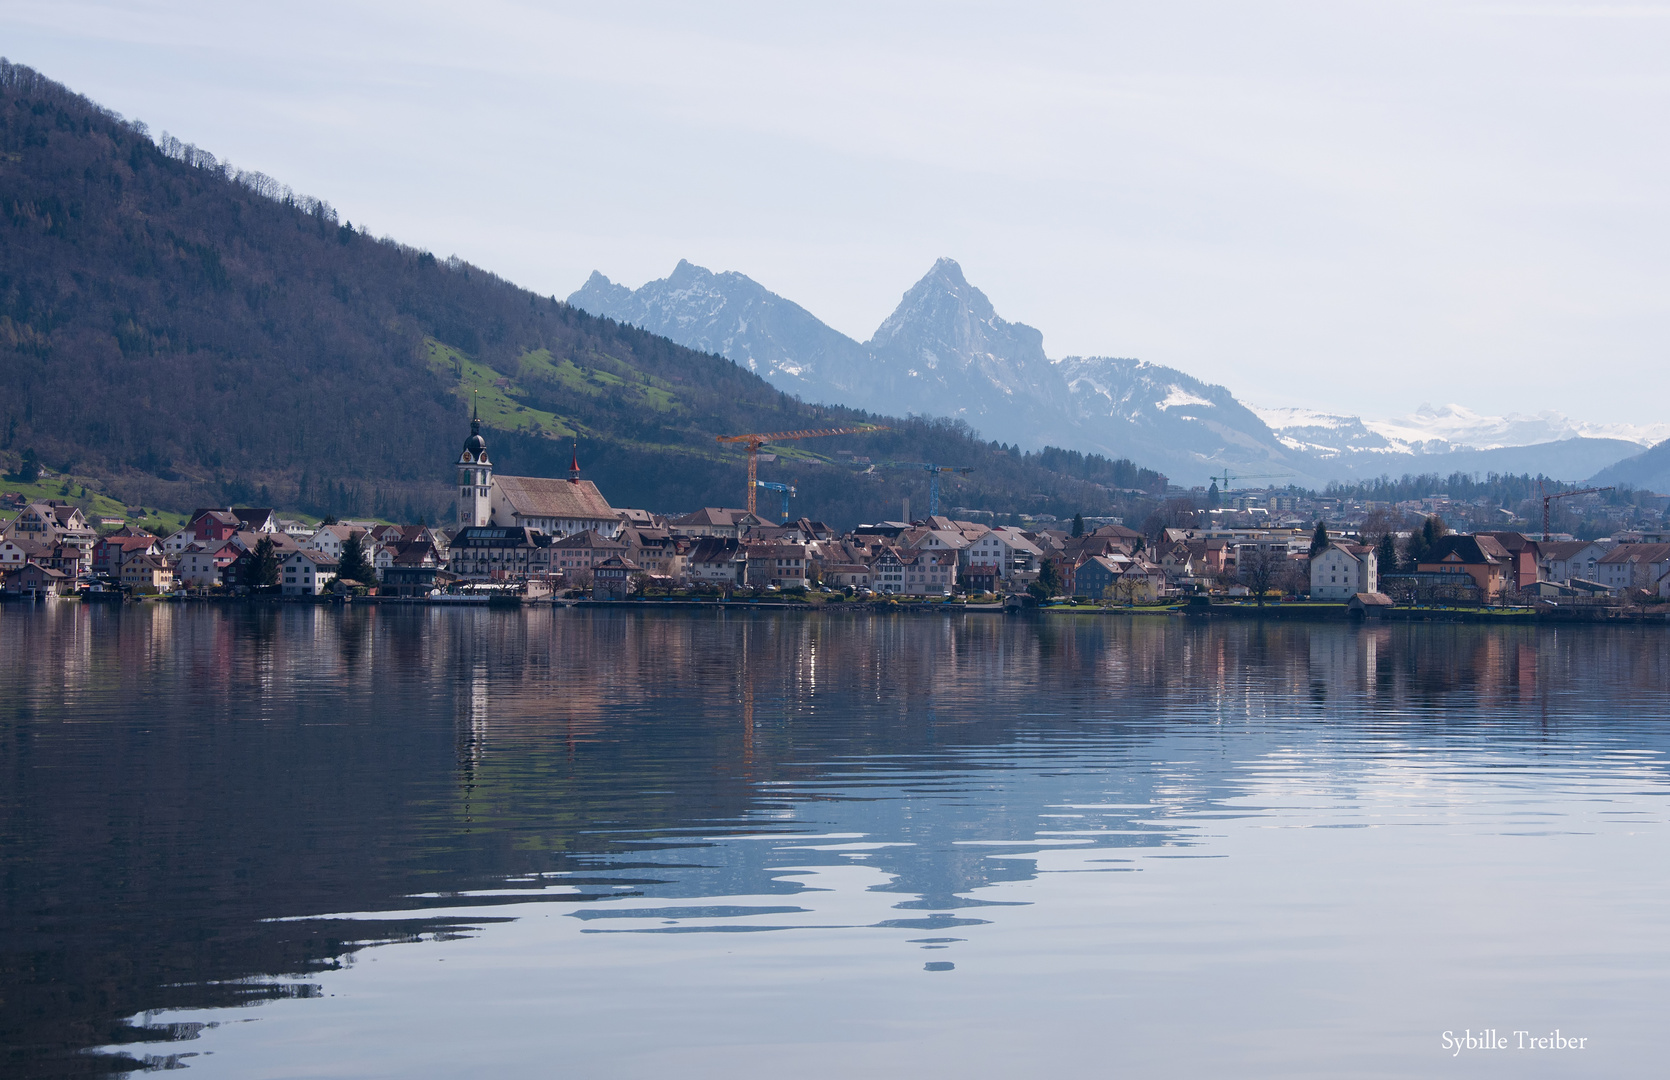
787, 491
756, 441
1223, 488
933, 472
1548, 502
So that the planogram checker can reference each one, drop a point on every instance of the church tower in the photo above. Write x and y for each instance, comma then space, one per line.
475, 478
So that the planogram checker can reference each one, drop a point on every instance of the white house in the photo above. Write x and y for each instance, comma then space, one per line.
1004, 550
328, 540
1633, 566
307, 573
1343, 570
1565, 561
203, 564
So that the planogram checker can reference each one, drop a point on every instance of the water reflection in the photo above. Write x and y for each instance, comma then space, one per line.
206, 806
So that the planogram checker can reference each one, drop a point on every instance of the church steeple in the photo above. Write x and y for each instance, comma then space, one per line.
574, 466
475, 477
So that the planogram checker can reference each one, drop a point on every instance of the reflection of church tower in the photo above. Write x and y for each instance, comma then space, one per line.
475, 478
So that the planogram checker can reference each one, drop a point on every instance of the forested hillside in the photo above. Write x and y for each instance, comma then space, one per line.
192, 333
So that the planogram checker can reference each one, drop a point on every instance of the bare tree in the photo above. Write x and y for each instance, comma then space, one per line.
1259, 568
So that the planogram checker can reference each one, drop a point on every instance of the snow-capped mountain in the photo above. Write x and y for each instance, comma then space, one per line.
1442, 429
945, 351
736, 317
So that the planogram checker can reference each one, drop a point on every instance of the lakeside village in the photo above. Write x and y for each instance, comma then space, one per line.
527, 539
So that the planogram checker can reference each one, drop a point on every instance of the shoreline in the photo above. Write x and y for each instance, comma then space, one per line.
1274, 612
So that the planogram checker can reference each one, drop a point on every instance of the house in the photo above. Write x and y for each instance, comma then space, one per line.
1341, 571
296, 530
255, 519
654, 550
612, 578
16, 552
929, 573
204, 565
1483, 561
499, 553
887, 570
33, 579
580, 552
52, 524
782, 565
1633, 566
415, 571
147, 572
1003, 553
306, 572
845, 575
1565, 561
715, 560
111, 551
212, 525
329, 539
716, 521
1095, 576
1523, 555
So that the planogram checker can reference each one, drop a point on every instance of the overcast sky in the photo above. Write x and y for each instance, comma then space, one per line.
1336, 205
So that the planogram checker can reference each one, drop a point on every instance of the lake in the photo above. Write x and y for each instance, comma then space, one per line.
290, 841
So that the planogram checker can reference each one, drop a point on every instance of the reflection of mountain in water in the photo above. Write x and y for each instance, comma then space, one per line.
177, 775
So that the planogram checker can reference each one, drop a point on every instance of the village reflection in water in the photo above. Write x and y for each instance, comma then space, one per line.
208, 806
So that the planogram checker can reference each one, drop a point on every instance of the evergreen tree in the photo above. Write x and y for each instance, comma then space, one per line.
1422, 539
1386, 554
30, 470
1213, 497
353, 565
1048, 583
1078, 524
1319, 539
264, 568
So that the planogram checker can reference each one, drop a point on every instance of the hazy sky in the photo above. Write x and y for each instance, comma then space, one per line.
1347, 206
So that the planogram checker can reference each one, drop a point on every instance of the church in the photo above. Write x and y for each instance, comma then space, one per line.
556, 508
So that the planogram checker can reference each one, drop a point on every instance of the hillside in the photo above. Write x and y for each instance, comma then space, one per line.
195, 334
1649, 471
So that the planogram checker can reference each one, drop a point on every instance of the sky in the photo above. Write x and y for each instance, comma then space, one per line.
1349, 207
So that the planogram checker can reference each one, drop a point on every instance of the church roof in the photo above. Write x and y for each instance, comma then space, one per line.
541, 497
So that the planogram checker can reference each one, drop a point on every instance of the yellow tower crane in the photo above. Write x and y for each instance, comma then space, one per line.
756, 441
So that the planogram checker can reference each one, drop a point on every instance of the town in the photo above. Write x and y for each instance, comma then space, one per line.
526, 539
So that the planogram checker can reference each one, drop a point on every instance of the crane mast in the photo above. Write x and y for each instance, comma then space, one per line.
1548, 502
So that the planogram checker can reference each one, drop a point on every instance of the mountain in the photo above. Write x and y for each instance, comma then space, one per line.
1451, 439
1649, 470
733, 316
945, 351
1189, 426
194, 334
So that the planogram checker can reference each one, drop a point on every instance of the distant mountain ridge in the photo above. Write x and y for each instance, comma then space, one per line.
945, 351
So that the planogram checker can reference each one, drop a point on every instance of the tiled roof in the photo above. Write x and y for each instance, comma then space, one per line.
544, 497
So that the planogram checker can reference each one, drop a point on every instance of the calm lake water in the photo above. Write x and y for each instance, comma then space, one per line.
384, 842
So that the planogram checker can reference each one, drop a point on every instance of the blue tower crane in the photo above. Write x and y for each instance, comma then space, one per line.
787, 491
934, 472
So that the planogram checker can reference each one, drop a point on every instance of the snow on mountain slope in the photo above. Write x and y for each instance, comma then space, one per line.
736, 317
945, 351
1442, 429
